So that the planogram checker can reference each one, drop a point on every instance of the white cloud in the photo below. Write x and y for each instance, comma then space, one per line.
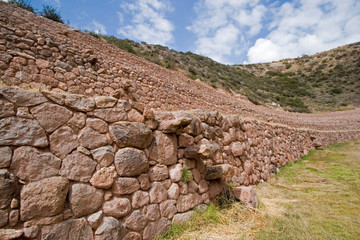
96, 27
307, 27
148, 22
223, 27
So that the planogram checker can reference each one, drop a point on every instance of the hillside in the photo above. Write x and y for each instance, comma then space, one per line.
325, 81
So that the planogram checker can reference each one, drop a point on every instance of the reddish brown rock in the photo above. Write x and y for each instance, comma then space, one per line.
131, 162
203, 186
174, 122
152, 212
215, 188
103, 155
139, 199
247, 195
157, 193
63, 141
193, 187
136, 221
131, 134
144, 181
8, 188
21, 97
158, 173
91, 139
4, 217
110, 228
164, 148
5, 157
237, 149
80, 102
182, 217
14, 217
111, 115
168, 208
21, 132
117, 207
125, 186
70, 229
156, 228
97, 124
43, 198
51, 116
30, 164
84, 199
6, 108
77, 121
185, 140
58, 98
135, 116
174, 191
77, 167
104, 178
31, 232
132, 236
185, 203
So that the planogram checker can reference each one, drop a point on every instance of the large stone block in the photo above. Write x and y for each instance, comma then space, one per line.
164, 148
21, 97
117, 207
84, 199
136, 221
5, 157
104, 155
157, 193
158, 173
154, 229
131, 162
125, 186
77, 167
110, 228
111, 115
43, 198
91, 139
63, 141
80, 102
51, 116
247, 195
104, 177
30, 164
70, 229
185, 203
139, 199
218, 172
21, 132
174, 122
131, 134
6, 108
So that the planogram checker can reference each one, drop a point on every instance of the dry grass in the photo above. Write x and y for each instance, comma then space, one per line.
316, 198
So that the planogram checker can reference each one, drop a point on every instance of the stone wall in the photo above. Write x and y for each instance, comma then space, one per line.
77, 167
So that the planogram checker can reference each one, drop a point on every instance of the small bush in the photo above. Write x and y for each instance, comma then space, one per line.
336, 91
23, 4
51, 13
186, 175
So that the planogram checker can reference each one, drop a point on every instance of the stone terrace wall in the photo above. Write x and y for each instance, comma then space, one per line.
36, 52
76, 167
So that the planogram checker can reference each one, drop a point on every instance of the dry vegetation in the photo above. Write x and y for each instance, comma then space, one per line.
317, 197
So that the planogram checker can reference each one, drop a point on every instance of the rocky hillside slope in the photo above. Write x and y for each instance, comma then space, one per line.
39, 53
325, 81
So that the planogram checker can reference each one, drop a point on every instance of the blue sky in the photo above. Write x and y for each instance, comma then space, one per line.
228, 31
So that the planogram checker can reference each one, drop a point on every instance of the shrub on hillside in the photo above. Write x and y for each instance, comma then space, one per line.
23, 4
51, 13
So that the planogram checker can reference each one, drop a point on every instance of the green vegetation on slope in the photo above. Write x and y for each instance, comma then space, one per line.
323, 82
317, 197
